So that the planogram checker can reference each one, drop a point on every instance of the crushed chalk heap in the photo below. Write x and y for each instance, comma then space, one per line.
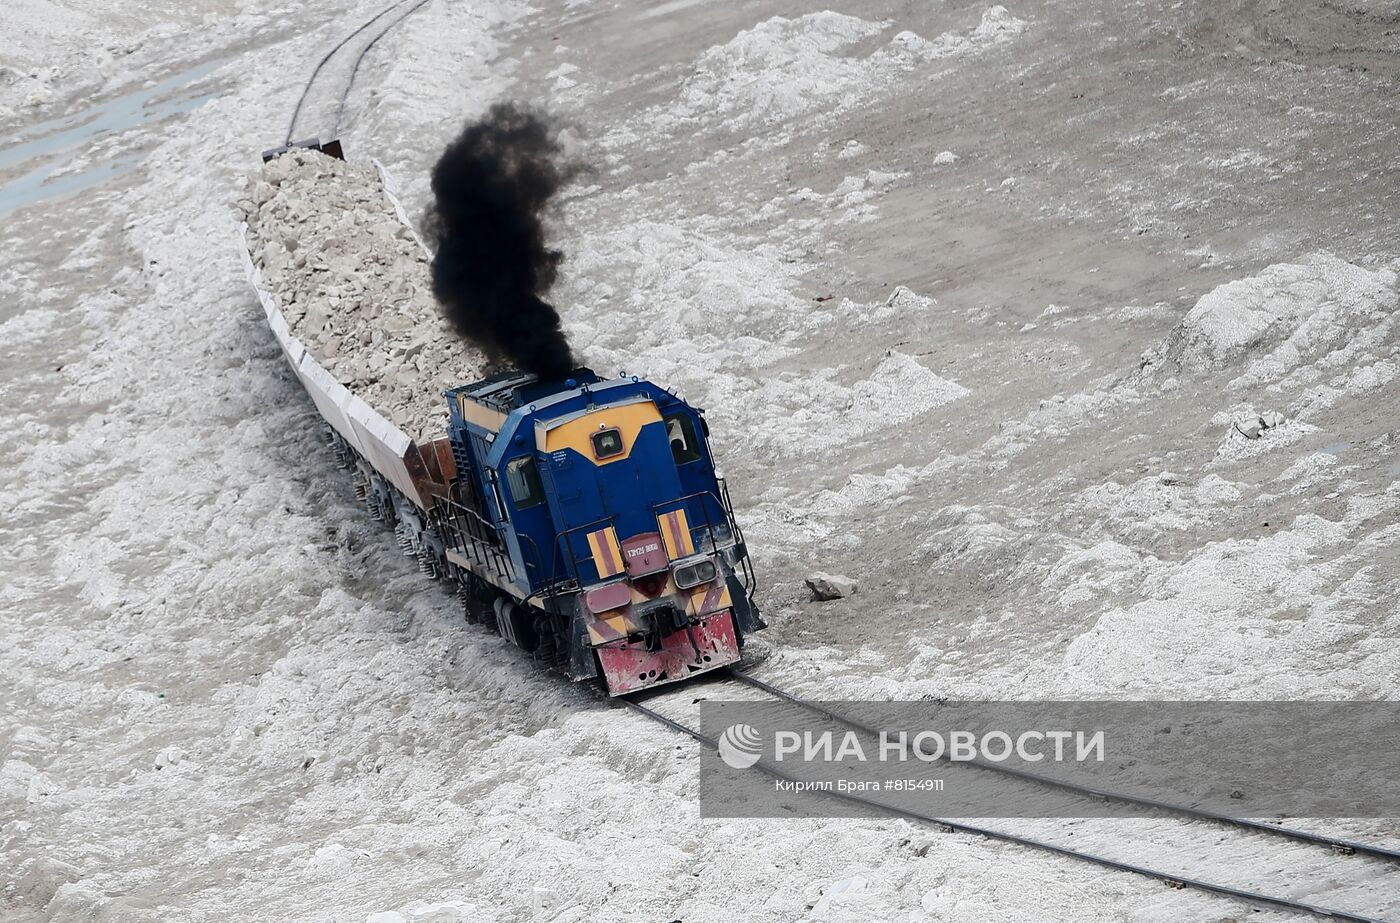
354, 286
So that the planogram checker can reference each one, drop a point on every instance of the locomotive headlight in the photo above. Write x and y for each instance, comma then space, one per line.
693, 573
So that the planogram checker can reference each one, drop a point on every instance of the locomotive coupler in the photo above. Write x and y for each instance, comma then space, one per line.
659, 622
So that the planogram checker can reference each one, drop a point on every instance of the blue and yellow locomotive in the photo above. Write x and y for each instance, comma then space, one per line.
585, 518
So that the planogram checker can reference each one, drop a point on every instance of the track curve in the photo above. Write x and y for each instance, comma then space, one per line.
1335, 843
1260, 898
354, 67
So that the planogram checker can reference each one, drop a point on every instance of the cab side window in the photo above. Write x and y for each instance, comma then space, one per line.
523, 477
680, 432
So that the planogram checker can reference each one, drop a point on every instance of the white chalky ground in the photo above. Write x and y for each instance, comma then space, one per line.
975, 299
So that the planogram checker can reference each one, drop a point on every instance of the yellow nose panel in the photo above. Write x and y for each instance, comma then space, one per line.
577, 434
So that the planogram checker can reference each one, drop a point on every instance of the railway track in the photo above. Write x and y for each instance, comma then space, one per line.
338, 68
1380, 862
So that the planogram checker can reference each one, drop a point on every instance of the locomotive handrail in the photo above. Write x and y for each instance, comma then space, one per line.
728, 505
557, 584
736, 535
750, 580
477, 537
561, 539
727, 518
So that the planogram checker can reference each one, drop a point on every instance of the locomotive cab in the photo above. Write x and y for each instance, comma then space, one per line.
605, 500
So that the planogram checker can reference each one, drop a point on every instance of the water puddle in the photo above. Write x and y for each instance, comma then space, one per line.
58, 142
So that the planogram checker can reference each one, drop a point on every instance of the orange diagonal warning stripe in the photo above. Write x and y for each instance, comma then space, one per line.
675, 534
607, 554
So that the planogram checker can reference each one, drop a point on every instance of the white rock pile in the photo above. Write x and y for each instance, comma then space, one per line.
1252, 425
353, 284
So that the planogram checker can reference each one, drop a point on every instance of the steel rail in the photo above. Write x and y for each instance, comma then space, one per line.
1304, 836
301, 101
359, 59
1175, 881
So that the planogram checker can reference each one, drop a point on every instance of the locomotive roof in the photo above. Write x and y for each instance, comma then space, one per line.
509, 390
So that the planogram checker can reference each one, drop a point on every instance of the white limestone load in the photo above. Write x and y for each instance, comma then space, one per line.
354, 286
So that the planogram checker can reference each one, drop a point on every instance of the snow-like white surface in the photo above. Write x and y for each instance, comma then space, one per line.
783, 68
1237, 601
1200, 582
1289, 314
56, 49
229, 698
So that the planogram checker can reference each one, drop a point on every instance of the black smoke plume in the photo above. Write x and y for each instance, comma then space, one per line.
492, 185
